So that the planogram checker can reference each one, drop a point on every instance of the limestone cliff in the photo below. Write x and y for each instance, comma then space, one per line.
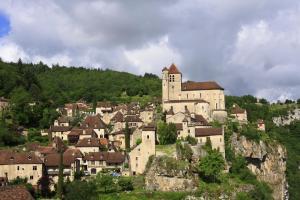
168, 174
266, 160
286, 120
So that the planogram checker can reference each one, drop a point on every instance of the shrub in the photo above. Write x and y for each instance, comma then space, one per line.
125, 184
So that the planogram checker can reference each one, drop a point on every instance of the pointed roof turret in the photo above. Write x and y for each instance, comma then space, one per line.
173, 69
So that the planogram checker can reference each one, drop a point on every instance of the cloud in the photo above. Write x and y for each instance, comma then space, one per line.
247, 46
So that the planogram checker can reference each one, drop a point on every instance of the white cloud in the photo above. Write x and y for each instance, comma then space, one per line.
153, 56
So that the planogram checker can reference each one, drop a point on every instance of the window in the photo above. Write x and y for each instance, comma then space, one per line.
136, 158
220, 139
31, 177
147, 136
216, 106
92, 162
185, 107
34, 168
93, 171
173, 78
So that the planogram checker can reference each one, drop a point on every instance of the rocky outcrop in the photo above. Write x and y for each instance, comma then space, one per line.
266, 160
287, 120
168, 174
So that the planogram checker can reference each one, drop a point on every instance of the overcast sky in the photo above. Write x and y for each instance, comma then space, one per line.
248, 46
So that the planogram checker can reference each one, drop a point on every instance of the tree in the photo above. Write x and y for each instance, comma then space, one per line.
44, 185
125, 183
127, 137
106, 182
167, 133
78, 190
211, 165
60, 183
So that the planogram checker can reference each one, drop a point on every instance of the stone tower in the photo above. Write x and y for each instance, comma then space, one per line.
165, 84
174, 80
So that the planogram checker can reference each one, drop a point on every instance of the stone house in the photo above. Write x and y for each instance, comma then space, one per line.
139, 156
77, 134
21, 164
119, 136
239, 114
216, 136
95, 162
62, 121
72, 159
60, 131
261, 125
96, 123
87, 145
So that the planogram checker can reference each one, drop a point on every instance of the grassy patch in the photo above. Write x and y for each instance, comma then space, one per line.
168, 150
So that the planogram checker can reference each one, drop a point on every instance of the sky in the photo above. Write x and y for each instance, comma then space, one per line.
248, 47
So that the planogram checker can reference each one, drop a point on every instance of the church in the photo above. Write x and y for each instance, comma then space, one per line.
191, 106
200, 98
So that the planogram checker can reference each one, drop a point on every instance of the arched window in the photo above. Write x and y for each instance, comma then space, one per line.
173, 78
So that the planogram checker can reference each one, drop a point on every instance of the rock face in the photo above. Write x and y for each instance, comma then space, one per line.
286, 120
165, 175
266, 161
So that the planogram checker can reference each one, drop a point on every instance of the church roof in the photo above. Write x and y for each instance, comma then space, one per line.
173, 69
209, 85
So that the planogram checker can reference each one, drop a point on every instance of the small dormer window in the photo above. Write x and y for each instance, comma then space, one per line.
29, 157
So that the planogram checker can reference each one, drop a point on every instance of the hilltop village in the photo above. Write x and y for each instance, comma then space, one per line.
133, 139
99, 140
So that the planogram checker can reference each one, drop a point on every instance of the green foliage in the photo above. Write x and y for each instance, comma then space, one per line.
261, 192
127, 137
78, 190
105, 183
167, 133
138, 141
184, 151
60, 183
125, 183
34, 135
191, 140
44, 184
9, 137
211, 166
243, 196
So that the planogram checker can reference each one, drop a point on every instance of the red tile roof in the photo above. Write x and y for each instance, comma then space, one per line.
203, 132
132, 118
200, 119
237, 110
173, 69
209, 85
10, 158
15, 192
187, 101
109, 157
119, 117
179, 126
89, 142
94, 122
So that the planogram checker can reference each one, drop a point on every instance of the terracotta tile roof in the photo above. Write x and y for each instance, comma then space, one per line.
118, 117
209, 85
10, 158
149, 128
132, 118
187, 101
173, 69
109, 157
200, 119
104, 141
15, 192
202, 132
237, 110
52, 160
179, 126
60, 128
89, 142
94, 122
120, 132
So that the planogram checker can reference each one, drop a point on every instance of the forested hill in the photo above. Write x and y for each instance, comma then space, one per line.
60, 84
